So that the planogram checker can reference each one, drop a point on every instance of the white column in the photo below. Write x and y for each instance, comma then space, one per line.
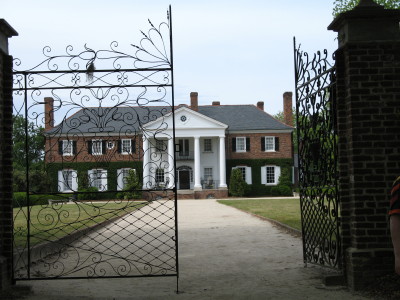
146, 166
197, 183
222, 163
171, 170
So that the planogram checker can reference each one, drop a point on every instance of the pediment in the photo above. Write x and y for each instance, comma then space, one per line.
185, 118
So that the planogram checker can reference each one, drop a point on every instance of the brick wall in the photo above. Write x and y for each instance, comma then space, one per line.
368, 111
285, 146
6, 217
111, 155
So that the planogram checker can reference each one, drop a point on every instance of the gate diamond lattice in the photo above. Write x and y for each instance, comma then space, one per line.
98, 199
317, 144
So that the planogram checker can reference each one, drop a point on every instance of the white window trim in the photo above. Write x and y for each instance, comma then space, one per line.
211, 146
248, 175
277, 172
71, 145
156, 176
120, 177
61, 181
101, 147
122, 147
273, 144
244, 138
103, 185
212, 173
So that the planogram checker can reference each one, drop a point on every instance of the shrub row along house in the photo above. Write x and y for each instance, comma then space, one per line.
98, 146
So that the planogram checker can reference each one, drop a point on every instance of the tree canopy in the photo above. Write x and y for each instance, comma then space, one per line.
340, 6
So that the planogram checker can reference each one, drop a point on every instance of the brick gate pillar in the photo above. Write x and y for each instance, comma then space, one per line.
368, 114
6, 107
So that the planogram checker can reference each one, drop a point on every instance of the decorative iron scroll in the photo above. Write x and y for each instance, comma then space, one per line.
317, 144
98, 199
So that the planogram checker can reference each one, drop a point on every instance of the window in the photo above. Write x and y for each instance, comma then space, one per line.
240, 144
246, 173
160, 176
97, 147
67, 147
269, 143
160, 146
208, 173
122, 176
270, 175
67, 180
207, 145
98, 179
126, 146
184, 147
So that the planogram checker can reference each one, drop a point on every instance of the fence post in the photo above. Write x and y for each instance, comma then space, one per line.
368, 119
6, 108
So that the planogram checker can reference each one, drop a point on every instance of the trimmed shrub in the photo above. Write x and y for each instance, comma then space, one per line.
90, 193
237, 186
132, 186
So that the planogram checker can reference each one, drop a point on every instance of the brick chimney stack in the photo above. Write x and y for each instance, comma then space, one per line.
288, 108
260, 105
216, 103
48, 113
194, 102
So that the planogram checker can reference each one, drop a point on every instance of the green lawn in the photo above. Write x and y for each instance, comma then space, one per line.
51, 222
286, 211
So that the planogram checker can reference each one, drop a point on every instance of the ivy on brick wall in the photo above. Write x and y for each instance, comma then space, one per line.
257, 188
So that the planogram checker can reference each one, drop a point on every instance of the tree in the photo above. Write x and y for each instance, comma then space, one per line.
33, 156
132, 187
340, 6
281, 117
237, 186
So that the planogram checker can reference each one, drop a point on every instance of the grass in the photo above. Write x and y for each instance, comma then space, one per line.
286, 211
51, 222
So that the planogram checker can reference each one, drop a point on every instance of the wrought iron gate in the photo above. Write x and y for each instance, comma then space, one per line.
95, 187
317, 144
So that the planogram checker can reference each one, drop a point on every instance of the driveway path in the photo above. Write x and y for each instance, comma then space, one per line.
224, 254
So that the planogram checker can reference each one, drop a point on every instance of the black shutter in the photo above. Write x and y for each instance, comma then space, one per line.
233, 144
133, 146
186, 147
73, 147
60, 147
103, 147
276, 143
263, 144
119, 146
89, 147
247, 144
181, 147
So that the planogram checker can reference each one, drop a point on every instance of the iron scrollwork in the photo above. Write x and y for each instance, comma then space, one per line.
317, 144
106, 217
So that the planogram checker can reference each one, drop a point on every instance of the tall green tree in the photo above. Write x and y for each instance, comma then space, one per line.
31, 135
340, 6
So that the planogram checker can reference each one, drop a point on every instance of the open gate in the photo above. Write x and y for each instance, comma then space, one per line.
95, 188
317, 143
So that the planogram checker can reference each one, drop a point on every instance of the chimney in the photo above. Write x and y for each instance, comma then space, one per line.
194, 103
260, 105
48, 113
288, 108
216, 103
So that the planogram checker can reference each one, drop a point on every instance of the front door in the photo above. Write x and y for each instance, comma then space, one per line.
184, 180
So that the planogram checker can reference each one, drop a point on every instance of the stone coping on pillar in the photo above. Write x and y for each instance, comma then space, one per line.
6, 31
368, 21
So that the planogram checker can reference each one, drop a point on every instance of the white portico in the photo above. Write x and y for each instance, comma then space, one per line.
199, 152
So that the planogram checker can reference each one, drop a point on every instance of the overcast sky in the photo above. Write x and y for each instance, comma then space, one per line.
235, 52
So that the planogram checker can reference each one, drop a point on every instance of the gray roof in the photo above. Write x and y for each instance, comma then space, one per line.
243, 117
123, 120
